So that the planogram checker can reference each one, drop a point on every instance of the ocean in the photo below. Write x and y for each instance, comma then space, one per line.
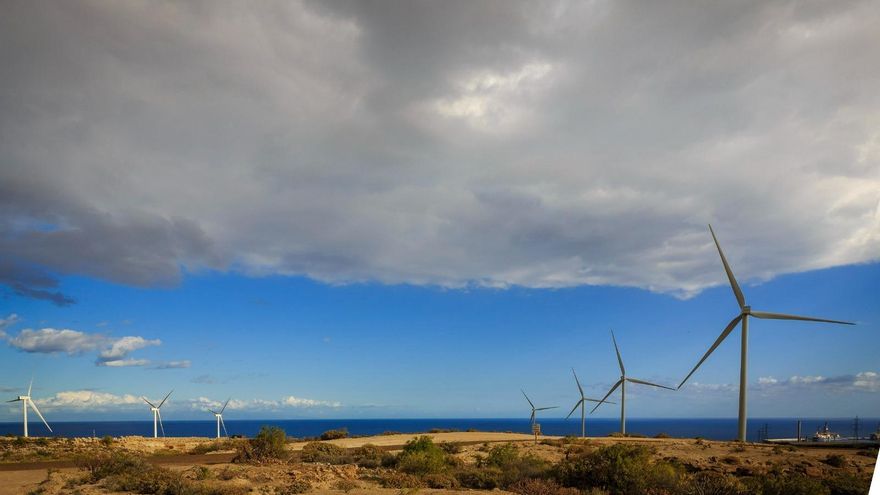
714, 429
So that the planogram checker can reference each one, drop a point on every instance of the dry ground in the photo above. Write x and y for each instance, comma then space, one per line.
46, 466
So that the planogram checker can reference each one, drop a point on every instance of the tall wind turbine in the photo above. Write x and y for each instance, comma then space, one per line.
535, 409
581, 403
622, 384
25, 402
157, 416
745, 312
219, 416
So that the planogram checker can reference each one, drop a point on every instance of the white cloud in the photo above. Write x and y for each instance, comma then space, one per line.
125, 345
300, 402
88, 400
50, 340
122, 363
113, 352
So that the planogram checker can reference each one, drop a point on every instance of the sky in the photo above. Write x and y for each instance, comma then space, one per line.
415, 209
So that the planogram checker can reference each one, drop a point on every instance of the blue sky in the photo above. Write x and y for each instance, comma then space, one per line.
368, 350
399, 209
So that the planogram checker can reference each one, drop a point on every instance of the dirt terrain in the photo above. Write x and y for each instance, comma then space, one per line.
46, 466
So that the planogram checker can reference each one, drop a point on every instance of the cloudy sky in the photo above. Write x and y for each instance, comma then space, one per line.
274, 201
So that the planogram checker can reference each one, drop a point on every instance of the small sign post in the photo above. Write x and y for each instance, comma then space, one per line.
536, 430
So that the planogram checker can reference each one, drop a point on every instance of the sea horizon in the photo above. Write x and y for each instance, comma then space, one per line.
709, 428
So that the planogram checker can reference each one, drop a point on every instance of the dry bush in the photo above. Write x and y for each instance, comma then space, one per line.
396, 479
537, 486
325, 452
334, 434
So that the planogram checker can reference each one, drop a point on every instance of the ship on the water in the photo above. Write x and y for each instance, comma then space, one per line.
825, 434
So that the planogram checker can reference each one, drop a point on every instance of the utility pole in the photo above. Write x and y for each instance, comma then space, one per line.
856, 428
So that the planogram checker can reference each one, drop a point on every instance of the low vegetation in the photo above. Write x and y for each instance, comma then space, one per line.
334, 434
267, 446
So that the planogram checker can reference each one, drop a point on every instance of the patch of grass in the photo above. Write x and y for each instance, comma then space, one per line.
835, 460
214, 446
537, 486
368, 456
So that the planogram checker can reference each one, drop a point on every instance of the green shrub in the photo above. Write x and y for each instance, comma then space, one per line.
214, 446
267, 446
477, 478
835, 460
325, 452
422, 456
334, 434
512, 466
107, 441
619, 469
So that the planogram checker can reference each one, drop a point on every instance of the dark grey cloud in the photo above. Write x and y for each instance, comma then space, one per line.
457, 143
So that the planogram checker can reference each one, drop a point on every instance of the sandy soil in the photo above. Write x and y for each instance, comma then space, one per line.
50, 460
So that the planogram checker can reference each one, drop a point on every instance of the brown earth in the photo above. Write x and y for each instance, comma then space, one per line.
47, 466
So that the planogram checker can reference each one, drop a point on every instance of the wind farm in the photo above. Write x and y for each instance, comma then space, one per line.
316, 248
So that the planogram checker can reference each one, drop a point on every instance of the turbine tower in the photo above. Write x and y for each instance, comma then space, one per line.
535, 409
622, 384
219, 416
25, 402
743, 316
157, 416
581, 403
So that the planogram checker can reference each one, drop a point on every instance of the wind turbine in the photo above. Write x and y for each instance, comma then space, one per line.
535, 409
745, 312
25, 402
581, 403
157, 416
219, 416
622, 384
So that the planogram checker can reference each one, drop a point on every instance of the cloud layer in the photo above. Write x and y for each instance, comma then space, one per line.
112, 352
544, 145
88, 400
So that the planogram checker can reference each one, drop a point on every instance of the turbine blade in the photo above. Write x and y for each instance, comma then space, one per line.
527, 398
34, 407
619, 359
13, 400
781, 316
148, 402
599, 401
532, 417
606, 395
161, 426
223, 424
545, 408
578, 382
643, 382
30, 386
166, 398
224, 405
724, 334
733, 285
573, 409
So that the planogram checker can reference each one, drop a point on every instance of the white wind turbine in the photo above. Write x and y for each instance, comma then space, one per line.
25, 402
219, 416
581, 403
745, 312
622, 384
535, 409
157, 416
